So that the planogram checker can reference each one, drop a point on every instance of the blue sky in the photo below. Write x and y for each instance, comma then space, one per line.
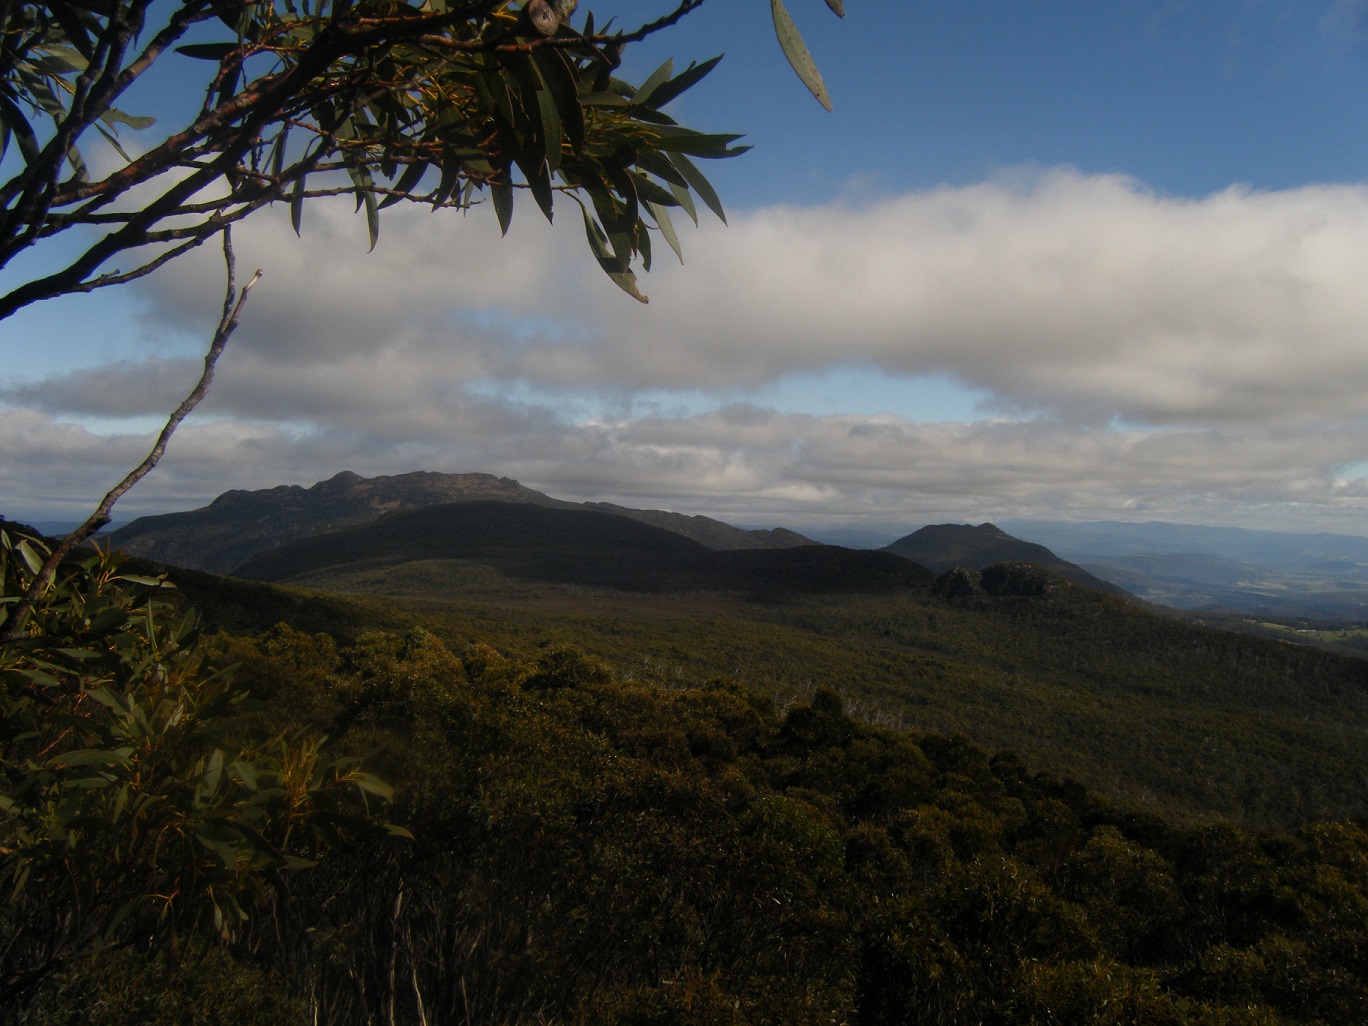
1088, 260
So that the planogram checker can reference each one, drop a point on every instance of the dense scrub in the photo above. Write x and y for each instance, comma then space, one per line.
588, 849
1182, 720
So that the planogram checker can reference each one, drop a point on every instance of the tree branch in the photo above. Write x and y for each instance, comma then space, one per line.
233, 302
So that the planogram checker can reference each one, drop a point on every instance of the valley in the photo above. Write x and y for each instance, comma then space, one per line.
1185, 720
615, 774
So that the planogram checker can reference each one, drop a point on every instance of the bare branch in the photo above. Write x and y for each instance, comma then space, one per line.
233, 303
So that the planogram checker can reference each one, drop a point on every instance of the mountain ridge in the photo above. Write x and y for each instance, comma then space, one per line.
576, 546
239, 524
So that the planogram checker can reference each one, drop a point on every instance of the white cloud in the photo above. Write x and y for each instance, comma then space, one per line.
1154, 354
1083, 297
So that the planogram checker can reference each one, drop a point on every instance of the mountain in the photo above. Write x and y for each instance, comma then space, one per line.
1155, 710
941, 547
1220, 569
444, 546
239, 524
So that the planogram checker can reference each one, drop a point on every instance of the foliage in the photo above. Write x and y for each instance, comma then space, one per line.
1152, 712
169, 988
137, 798
589, 849
431, 101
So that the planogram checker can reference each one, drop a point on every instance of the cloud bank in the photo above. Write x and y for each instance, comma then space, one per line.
1135, 355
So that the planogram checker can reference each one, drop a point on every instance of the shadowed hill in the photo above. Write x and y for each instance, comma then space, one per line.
941, 547
578, 546
239, 524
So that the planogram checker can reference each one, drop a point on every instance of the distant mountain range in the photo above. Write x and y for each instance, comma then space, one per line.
1219, 569
438, 533
1205, 570
240, 524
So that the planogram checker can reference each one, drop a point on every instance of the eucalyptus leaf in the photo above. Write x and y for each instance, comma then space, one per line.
94, 757
559, 83
657, 78
297, 203
649, 191
208, 51
681, 193
797, 52
598, 244
501, 193
685, 80
700, 185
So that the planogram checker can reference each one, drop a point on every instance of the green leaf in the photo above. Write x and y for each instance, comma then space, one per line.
657, 78
372, 784
151, 582
94, 757
673, 139
538, 177
681, 193
643, 241
837, 7
362, 181
16, 122
659, 165
214, 771
372, 216
107, 620
649, 191
700, 185
245, 771
625, 186
615, 223
501, 192
406, 183
30, 557
666, 226
682, 82
208, 51
598, 243
603, 100
797, 52
75, 653
137, 122
553, 137
113, 140
560, 86
297, 203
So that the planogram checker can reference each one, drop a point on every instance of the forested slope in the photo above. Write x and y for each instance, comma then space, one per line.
592, 850
1180, 719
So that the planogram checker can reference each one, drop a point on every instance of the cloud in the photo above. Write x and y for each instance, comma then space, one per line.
1138, 352
1085, 297
746, 464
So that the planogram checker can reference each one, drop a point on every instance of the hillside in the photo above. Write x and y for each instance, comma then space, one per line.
943, 546
239, 524
772, 772
458, 542
1151, 711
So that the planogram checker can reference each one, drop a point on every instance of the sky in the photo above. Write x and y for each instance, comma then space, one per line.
1076, 259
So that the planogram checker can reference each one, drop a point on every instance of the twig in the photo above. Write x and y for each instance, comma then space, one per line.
233, 302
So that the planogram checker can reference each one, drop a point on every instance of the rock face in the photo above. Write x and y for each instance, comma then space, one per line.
240, 524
